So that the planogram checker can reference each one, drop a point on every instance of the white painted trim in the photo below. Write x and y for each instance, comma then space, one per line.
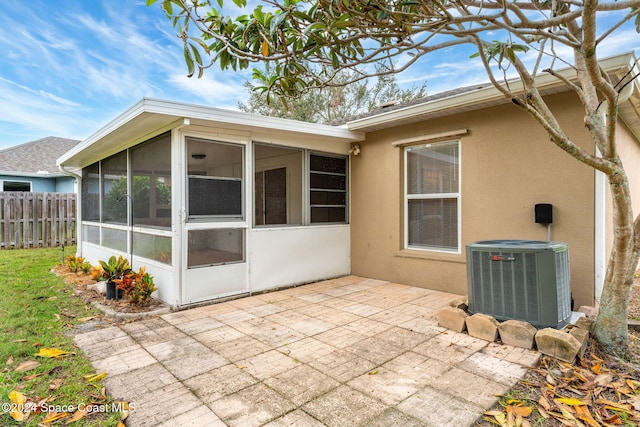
599, 250
485, 95
457, 196
421, 139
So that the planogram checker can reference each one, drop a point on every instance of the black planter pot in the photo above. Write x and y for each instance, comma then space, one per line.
112, 292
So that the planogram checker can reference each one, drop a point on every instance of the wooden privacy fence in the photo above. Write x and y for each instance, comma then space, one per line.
32, 220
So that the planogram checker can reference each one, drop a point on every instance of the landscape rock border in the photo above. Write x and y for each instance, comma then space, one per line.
118, 315
563, 344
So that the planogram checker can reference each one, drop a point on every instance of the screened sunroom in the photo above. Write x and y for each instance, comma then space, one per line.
212, 202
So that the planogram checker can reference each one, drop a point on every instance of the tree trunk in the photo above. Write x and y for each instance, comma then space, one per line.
611, 325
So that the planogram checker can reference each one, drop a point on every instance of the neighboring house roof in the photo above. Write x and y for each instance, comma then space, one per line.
35, 158
486, 95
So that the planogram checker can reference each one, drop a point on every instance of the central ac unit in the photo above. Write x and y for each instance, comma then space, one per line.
520, 279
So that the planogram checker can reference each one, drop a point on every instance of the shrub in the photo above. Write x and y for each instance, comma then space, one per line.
138, 287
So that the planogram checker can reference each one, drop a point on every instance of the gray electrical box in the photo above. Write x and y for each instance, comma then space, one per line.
520, 279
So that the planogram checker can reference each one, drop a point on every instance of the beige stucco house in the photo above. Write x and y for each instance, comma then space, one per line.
499, 163
217, 203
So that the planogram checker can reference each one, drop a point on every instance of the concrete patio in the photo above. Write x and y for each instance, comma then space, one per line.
344, 352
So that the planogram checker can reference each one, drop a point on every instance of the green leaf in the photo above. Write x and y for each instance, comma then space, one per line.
189, 61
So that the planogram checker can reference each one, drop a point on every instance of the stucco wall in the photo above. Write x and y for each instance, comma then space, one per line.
629, 150
508, 165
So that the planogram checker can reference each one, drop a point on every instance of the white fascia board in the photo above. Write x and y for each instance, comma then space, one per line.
486, 95
216, 116
123, 118
224, 116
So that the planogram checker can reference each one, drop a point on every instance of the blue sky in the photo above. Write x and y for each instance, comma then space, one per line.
67, 67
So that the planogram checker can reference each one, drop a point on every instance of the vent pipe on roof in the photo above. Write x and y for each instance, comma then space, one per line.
387, 104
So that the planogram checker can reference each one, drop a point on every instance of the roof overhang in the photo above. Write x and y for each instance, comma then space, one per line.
32, 174
488, 96
150, 117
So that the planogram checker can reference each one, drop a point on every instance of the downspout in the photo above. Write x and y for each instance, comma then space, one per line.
78, 207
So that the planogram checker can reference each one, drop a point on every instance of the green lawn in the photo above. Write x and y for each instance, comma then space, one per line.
38, 310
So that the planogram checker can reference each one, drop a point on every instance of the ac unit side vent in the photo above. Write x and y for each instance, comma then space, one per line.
523, 280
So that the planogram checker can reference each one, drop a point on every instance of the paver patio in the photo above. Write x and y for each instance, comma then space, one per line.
344, 352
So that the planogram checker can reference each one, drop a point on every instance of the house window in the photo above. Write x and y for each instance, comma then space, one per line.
327, 188
215, 174
23, 186
277, 185
432, 197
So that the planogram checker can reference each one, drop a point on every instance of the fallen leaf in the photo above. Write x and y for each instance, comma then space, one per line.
520, 410
571, 401
37, 344
22, 340
27, 366
597, 368
30, 377
544, 403
17, 397
55, 384
603, 379
54, 416
120, 424
77, 416
51, 352
95, 377
375, 371
56, 315
635, 402
86, 319
9, 361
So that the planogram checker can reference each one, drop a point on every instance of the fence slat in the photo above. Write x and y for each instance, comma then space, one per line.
31, 220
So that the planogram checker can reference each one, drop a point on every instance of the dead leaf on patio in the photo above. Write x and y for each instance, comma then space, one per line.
375, 371
27, 366
52, 352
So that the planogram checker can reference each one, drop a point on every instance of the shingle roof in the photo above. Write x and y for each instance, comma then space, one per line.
416, 101
32, 157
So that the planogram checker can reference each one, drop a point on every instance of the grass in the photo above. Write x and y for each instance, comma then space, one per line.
38, 310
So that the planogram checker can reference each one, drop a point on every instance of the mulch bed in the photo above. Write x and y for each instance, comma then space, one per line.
81, 281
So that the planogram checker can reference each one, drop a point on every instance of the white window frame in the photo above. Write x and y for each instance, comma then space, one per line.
432, 196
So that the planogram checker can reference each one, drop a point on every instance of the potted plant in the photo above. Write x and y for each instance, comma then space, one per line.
114, 269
